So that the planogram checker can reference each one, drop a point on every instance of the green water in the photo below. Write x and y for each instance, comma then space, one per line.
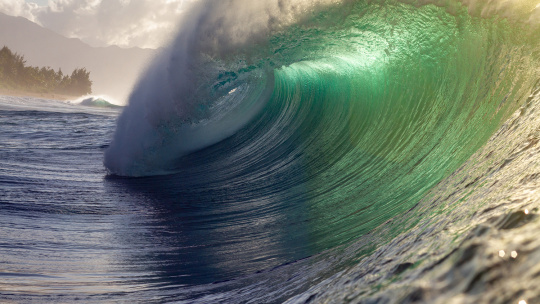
366, 105
387, 99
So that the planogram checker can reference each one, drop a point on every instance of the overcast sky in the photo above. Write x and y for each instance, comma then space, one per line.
126, 23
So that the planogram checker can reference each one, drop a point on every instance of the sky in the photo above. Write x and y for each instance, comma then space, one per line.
38, 2
126, 23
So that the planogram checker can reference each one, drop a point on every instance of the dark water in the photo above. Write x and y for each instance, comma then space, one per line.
70, 231
364, 151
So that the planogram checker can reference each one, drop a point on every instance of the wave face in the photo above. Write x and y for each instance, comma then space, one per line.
97, 102
340, 114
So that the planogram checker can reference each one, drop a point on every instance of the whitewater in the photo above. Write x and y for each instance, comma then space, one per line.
290, 151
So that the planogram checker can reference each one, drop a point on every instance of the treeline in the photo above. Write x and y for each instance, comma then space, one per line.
15, 75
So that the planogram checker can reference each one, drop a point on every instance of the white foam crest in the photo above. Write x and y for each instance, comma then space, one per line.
107, 98
221, 26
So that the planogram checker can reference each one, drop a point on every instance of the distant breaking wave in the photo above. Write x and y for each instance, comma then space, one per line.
97, 102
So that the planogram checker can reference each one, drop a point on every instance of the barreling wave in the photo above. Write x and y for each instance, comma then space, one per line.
359, 107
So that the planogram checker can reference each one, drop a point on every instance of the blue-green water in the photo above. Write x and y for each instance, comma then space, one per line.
343, 118
301, 151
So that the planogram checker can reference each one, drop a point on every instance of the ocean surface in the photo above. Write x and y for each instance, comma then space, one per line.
300, 152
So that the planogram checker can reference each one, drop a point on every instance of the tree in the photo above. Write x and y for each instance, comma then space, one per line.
80, 82
14, 74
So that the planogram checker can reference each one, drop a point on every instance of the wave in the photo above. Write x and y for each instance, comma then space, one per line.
358, 107
95, 101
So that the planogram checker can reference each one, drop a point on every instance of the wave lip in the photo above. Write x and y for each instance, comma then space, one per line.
145, 146
206, 85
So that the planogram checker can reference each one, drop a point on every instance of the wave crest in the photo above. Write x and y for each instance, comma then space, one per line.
218, 74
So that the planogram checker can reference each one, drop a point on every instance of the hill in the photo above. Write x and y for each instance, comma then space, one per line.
114, 70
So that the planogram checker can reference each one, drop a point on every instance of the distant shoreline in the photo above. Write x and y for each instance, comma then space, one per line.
53, 96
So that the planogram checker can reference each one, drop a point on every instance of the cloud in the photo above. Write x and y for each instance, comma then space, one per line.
127, 23
18, 8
